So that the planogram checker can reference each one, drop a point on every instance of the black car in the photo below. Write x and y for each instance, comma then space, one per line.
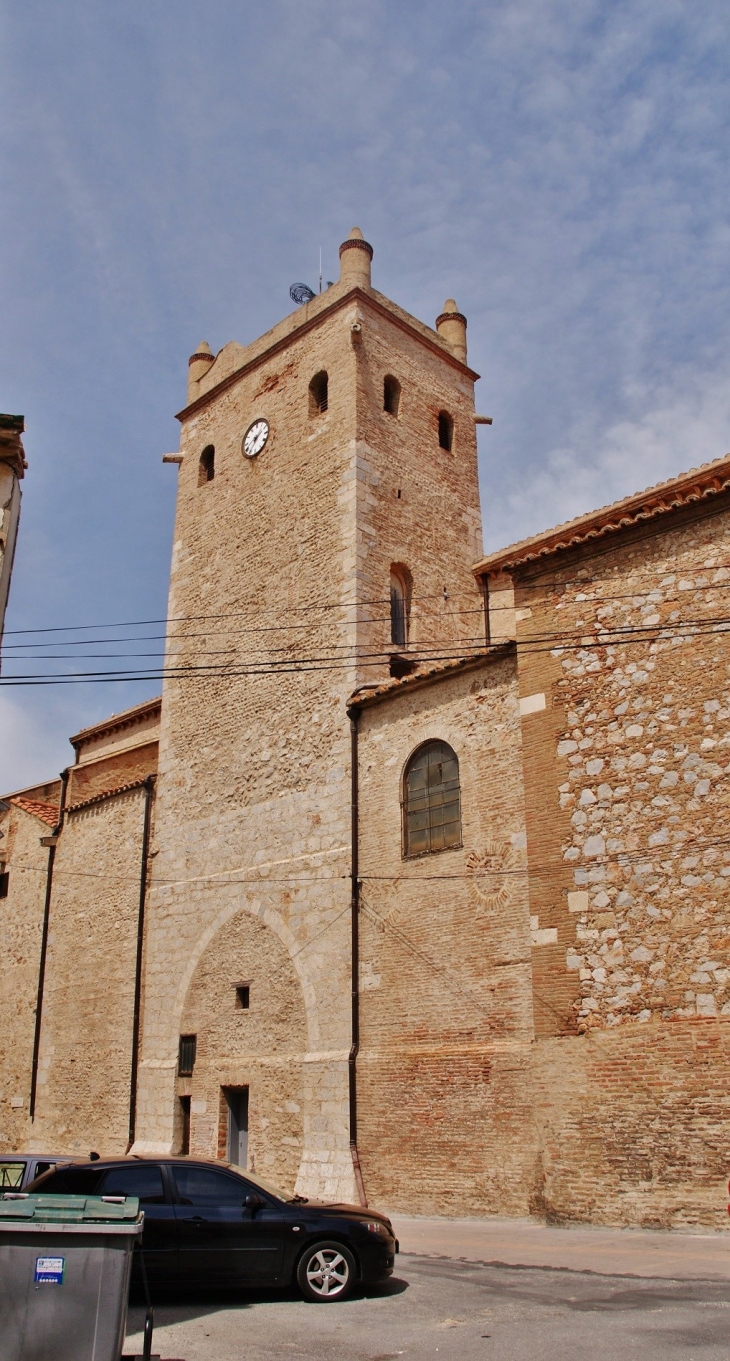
209, 1224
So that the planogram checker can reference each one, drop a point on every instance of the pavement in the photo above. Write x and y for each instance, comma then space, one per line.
527, 1242
478, 1290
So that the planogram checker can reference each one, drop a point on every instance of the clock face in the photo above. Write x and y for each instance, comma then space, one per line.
255, 438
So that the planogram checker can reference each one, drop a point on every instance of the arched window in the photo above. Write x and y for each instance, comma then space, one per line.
446, 431
391, 394
431, 800
400, 604
318, 396
206, 467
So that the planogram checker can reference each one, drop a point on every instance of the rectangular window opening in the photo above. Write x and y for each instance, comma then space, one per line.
237, 1106
4, 883
186, 1055
243, 996
184, 1124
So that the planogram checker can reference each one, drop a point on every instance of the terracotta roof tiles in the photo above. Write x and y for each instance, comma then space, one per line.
361, 698
710, 479
47, 812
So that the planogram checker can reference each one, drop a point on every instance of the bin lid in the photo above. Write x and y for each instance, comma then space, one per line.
49, 1209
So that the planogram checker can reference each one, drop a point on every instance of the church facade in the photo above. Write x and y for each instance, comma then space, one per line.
413, 885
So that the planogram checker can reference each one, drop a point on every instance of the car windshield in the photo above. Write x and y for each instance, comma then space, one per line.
265, 1185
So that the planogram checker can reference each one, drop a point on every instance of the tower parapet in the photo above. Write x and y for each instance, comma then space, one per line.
355, 257
451, 326
198, 365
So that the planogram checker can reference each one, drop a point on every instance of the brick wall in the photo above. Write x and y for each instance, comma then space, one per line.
444, 1087
633, 1125
98, 777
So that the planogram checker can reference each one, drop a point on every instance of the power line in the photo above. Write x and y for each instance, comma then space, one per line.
557, 642
279, 609
283, 609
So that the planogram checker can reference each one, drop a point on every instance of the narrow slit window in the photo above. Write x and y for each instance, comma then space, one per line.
431, 800
184, 1124
186, 1055
206, 467
391, 395
400, 592
446, 431
4, 883
243, 996
319, 394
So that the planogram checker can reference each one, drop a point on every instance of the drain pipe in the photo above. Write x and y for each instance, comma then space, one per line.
51, 842
355, 956
149, 790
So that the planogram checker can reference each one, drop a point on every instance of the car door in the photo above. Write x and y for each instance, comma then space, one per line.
221, 1241
159, 1236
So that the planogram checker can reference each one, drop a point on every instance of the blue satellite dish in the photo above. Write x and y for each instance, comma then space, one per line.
301, 293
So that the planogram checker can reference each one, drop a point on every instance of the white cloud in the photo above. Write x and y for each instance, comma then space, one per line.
673, 430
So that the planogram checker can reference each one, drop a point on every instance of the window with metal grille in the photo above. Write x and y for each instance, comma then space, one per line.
431, 800
206, 467
186, 1055
446, 431
4, 884
391, 395
318, 393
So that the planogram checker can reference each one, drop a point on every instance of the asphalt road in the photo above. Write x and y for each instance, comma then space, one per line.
456, 1311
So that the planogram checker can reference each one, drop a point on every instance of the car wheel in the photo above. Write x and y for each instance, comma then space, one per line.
326, 1272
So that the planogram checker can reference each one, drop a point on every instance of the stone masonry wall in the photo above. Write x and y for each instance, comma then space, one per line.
253, 810
418, 504
643, 694
444, 1078
261, 1048
21, 921
282, 565
627, 787
86, 1035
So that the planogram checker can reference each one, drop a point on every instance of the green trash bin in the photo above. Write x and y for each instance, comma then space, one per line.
65, 1263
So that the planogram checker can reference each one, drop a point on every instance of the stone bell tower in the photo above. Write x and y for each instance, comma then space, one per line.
327, 521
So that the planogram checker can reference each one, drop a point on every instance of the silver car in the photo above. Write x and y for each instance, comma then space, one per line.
17, 1170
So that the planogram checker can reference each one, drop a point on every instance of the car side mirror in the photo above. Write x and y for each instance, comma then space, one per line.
253, 1202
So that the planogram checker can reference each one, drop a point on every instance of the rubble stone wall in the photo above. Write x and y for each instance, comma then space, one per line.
637, 877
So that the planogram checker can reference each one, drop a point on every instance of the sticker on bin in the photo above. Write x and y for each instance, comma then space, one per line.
49, 1270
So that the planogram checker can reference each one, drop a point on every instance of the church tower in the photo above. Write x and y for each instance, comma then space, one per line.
327, 523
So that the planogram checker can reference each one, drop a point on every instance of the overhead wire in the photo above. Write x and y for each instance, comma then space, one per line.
255, 607
557, 641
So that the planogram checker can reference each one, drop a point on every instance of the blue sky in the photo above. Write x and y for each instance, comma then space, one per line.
560, 168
